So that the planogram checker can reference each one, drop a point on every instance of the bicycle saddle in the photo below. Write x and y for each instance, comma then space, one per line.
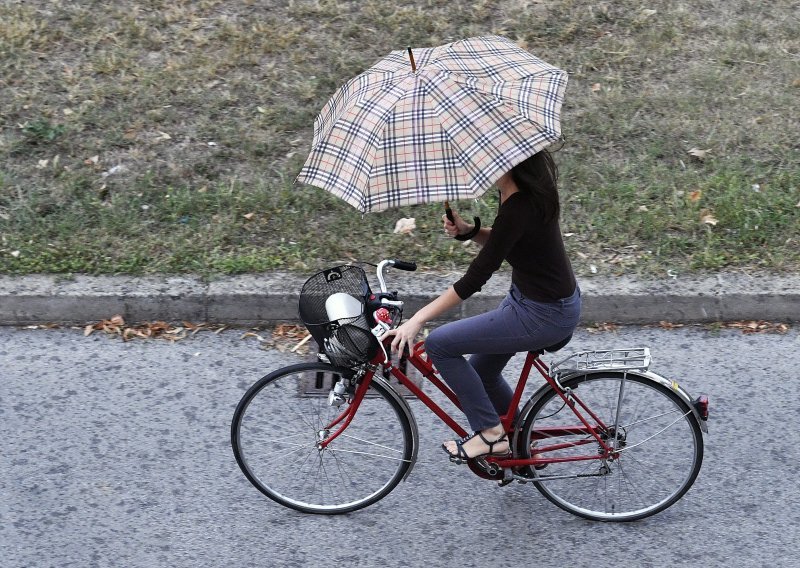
554, 347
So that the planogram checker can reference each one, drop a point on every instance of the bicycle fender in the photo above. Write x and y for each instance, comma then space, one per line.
409, 415
670, 384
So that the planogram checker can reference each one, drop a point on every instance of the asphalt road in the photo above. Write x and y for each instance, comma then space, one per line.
118, 454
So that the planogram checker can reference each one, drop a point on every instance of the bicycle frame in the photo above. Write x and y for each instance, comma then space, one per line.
420, 362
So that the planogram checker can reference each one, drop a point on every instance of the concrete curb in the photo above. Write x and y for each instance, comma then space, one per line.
258, 299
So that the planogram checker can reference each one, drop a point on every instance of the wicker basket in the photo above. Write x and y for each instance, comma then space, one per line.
345, 337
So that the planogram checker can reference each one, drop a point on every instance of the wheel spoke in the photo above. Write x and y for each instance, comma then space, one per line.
368, 442
680, 419
394, 458
648, 419
630, 485
634, 457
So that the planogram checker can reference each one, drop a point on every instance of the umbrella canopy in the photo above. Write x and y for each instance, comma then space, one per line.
435, 124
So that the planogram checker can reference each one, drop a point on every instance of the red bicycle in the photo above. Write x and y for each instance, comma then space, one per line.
604, 437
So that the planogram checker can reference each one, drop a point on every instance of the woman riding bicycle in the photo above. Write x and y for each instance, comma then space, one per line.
542, 307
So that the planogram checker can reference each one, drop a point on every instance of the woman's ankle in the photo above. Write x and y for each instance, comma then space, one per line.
494, 432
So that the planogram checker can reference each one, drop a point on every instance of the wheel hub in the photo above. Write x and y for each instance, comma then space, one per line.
322, 435
616, 438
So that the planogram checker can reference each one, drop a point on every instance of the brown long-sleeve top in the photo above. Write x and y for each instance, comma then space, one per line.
535, 251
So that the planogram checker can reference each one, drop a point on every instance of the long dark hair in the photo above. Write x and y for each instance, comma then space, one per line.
537, 177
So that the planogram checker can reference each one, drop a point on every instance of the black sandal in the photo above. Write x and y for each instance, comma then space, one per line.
461, 456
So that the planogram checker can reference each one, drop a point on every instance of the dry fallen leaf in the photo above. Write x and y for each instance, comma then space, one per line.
694, 196
596, 87
405, 225
284, 337
699, 154
602, 326
253, 334
708, 218
290, 330
152, 330
756, 326
248, 216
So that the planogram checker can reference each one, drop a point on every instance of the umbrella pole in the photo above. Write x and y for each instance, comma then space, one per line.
411, 57
448, 211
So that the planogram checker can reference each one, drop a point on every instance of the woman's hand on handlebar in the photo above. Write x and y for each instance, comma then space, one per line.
404, 336
457, 227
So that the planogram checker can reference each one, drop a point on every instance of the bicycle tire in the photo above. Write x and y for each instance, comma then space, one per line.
274, 439
660, 442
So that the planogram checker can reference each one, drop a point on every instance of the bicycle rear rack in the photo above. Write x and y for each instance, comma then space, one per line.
637, 359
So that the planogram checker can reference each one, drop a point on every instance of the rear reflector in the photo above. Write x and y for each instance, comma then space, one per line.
701, 404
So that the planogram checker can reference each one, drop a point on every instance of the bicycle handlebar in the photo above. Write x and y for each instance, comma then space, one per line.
384, 322
399, 264
403, 265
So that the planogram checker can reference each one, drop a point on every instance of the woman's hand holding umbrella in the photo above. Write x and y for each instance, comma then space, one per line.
456, 227
453, 223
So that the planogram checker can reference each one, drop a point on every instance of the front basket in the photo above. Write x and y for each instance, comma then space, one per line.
347, 341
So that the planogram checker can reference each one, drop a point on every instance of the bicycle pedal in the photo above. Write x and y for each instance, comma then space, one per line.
508, 477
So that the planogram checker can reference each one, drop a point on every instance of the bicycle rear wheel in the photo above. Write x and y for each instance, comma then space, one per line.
659, 441
277, 425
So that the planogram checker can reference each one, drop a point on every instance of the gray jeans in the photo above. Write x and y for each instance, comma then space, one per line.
517, 324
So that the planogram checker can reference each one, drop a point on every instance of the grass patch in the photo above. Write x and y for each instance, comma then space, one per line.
153, 136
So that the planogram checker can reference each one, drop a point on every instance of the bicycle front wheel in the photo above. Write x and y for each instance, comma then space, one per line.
281, 418
658, 441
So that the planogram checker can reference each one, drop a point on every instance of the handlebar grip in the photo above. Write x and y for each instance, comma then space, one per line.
403, 265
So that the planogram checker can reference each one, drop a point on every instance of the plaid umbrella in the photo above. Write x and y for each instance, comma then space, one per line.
435, 124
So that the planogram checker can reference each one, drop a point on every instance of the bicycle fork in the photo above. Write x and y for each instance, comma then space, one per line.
327, 434
337, 397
